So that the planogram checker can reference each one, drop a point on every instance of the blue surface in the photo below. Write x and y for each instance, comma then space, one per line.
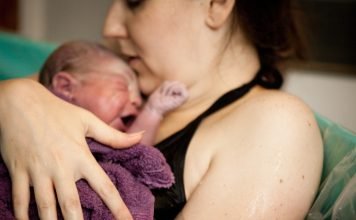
20, 57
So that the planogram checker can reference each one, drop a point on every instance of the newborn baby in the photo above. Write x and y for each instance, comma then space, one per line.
91, 76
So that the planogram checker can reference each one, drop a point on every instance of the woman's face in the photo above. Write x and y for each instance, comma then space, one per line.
160, 38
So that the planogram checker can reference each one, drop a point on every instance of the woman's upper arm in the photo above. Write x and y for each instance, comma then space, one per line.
268, 169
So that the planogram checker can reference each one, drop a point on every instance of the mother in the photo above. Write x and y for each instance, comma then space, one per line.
239, 148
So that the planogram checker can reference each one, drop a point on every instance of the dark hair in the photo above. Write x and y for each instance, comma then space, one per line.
73, 56
272, 27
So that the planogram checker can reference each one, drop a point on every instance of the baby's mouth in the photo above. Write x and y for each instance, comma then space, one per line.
128, 120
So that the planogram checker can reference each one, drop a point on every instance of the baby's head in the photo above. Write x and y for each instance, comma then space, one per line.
93, 77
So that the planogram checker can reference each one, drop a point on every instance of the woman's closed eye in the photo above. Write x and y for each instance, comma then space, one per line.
132, 4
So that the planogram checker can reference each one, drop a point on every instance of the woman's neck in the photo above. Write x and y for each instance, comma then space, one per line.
237, 66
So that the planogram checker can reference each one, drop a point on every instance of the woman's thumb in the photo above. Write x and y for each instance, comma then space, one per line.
105, 134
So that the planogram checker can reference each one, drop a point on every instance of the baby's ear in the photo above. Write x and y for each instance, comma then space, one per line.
63, 84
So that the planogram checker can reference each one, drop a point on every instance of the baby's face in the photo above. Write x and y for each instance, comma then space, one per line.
110, 92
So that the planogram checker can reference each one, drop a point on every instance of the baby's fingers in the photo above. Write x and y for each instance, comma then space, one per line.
175, 88
103, 186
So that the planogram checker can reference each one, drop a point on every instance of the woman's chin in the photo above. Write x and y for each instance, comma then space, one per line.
147, 86
146, 91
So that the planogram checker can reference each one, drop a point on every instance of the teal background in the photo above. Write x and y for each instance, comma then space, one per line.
21, 57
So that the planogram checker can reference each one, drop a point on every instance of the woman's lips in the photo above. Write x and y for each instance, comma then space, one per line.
133, 61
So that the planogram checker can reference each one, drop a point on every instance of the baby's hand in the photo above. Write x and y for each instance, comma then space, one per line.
170, 95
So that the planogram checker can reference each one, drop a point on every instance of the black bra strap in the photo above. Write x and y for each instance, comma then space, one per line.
175, 146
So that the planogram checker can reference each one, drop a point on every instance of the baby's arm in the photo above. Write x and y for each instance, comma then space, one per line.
167, 97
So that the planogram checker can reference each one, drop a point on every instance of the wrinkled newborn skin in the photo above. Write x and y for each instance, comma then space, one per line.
119, 112
93, 77
111, 92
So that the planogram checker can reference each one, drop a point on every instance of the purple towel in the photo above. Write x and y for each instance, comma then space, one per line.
134, 171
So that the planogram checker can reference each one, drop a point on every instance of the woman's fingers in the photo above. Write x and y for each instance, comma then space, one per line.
20, 195
49, 151
105, 134
103, 186
68, 198
45, 198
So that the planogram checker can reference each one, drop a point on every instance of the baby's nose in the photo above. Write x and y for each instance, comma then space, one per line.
136, 100
130, 110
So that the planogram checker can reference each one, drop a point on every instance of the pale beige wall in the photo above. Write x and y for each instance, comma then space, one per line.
32, 20
61, 20
330, 93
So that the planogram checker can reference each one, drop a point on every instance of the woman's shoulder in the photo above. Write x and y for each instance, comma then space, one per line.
270, 144
270, 116
271, 107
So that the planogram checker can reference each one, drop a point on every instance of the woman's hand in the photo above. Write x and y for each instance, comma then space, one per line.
42, 142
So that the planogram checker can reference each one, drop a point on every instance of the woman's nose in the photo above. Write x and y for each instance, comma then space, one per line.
115, 21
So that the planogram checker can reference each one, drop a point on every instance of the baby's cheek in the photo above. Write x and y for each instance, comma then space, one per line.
104, 114
106, 110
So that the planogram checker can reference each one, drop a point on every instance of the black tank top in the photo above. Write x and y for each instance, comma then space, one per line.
169, 202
